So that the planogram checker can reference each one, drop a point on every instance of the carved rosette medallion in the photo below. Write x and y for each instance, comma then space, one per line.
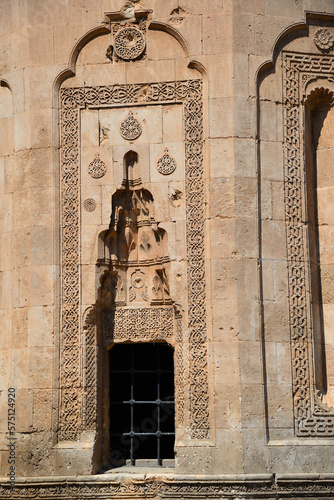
89, 205
129, 43
97, 168
130, 129
166, 165
323, 39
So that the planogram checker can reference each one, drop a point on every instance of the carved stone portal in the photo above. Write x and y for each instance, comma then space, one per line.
78, 400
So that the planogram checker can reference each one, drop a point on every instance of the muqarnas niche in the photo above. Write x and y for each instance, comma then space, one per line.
134, 268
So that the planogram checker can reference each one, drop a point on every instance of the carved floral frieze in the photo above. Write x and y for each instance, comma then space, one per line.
265, 487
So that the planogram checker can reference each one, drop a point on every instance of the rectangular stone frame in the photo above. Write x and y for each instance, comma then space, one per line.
77, 410
311, 420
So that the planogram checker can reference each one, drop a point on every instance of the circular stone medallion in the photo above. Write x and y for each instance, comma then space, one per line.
129, 43
323, 39
89, 205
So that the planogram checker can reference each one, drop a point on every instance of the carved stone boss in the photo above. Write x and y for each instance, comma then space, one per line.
310, 418
76, 410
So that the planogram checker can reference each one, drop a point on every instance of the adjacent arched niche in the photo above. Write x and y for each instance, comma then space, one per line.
294, 156
319, 156
121, 276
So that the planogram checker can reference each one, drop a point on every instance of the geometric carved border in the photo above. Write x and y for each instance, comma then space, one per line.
73, 406
298, 70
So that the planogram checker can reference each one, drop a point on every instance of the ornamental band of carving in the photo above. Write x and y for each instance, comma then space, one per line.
189, 93
179, 373
310, 418
90, 378
173, 489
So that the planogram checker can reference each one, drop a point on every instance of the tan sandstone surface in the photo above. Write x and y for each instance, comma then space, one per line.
166, 178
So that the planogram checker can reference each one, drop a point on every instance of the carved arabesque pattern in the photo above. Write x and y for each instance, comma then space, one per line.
69, 344
89, 205
72, 99
323, 39
130, 128
199, 390
151, 323
310, 419
166, 165
140, 26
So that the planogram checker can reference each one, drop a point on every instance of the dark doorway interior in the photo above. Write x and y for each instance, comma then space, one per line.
142, 409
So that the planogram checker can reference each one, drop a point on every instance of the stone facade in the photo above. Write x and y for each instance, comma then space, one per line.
166, 176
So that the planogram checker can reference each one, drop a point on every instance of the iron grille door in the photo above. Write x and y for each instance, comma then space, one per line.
142, 409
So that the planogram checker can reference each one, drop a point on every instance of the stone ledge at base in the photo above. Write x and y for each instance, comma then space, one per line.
173, 486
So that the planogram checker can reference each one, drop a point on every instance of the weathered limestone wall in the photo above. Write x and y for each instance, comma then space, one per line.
250, 398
